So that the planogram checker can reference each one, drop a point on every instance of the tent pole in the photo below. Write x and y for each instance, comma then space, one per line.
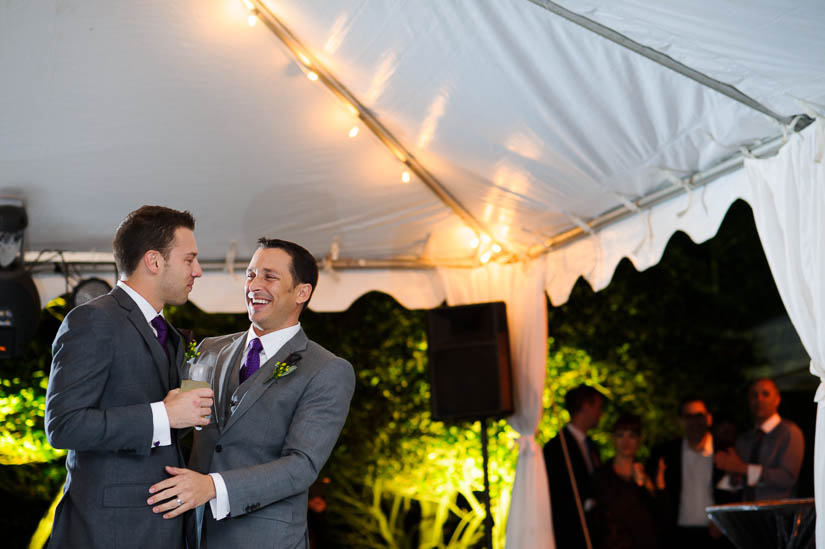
662, 59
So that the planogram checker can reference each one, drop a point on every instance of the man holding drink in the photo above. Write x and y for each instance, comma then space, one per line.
110, 399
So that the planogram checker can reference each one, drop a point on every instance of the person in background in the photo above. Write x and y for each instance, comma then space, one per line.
585, 405
689, 478
766, 460
626, 495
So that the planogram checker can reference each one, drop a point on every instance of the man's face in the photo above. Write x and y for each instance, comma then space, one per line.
180, 269
273, 300
695, 421
593, 412
763, 398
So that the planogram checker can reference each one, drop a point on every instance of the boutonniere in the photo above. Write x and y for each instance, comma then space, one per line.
289, 365
191, 351
190, 345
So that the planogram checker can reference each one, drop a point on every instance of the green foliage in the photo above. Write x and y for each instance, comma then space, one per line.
28, 461
628, 386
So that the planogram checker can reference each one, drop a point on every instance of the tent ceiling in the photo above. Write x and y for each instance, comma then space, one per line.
532, 122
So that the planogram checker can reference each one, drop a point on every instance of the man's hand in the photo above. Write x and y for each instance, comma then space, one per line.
728, 460
183, 491
188, 409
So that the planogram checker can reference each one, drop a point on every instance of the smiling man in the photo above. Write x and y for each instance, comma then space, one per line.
280, 404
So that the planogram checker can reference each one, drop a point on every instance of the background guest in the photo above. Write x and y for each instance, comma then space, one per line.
626, 493
585, 406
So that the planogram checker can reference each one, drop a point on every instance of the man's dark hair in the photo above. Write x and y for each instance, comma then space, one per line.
691, 398
303, 268
578, 396
147, 228
628, 422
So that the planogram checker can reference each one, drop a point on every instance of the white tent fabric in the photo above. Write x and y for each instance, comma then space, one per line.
534, 124
788, 199
521, 287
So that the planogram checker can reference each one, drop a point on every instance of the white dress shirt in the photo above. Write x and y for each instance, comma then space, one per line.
271, 343
161, 431
754, 470
697, 477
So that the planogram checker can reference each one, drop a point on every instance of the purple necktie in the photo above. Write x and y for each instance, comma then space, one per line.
162, 329
253, 359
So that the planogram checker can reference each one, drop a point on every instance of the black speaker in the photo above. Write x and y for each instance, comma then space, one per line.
469, 356
19, 312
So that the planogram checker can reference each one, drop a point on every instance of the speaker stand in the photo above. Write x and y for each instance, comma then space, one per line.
488, 520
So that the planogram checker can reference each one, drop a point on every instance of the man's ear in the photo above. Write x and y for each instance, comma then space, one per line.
153, 260
303, 293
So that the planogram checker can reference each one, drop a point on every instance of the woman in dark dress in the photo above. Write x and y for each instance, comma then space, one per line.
626, 494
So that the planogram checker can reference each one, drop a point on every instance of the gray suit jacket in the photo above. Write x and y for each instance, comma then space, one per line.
107, 368
780, 457
270, 439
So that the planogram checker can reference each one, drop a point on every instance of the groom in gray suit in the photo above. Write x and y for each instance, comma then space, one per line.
112, 397
281, 402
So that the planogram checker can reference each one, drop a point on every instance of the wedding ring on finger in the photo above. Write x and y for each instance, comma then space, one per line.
179, 502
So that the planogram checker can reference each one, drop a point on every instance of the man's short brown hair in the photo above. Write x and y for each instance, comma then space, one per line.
147, 228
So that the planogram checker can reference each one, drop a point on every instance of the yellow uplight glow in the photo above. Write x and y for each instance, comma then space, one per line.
312, 75
405, 177
353, 131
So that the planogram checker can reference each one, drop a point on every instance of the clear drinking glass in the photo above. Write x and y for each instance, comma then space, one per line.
198, 376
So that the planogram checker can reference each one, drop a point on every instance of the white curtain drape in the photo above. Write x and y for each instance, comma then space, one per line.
521, 287
788, 201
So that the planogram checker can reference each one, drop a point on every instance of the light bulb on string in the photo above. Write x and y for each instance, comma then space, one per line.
304, 59
485, 239
312, 75
353, 131
405, 177
252, 19
249, 5
496, 248
474, 243
485, 257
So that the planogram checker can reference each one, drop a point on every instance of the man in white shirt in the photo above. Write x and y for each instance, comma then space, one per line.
281, 402
112, 399
767, 459
689, 478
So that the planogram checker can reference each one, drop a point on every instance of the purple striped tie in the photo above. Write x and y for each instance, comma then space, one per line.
253, 359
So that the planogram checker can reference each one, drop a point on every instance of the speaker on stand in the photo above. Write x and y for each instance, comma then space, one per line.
470, 375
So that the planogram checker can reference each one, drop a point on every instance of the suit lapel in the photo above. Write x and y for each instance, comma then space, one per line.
260, 381
225, 368
139, 322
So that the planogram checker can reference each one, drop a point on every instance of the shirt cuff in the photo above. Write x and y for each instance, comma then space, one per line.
754, 472
220, 503
161, 432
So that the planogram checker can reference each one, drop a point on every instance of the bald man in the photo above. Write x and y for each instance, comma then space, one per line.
768, 457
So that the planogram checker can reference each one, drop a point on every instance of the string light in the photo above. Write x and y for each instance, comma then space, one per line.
249, 5
485, 239
252, 19
353, 131
474, 243
485, 257
312, 75
496, 248
304, 59
405, 177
